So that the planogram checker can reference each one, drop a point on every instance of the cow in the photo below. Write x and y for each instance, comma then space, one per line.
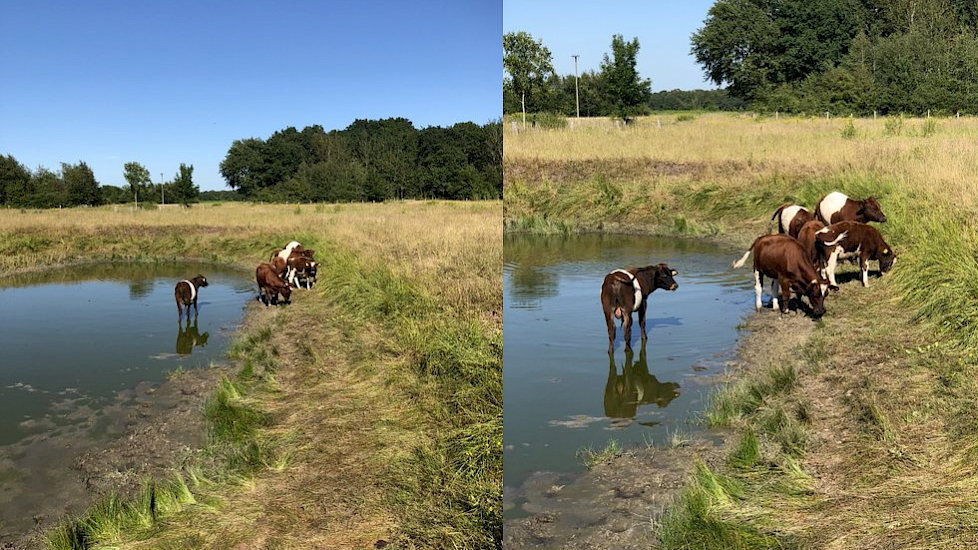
791, 218
300, 264
855, 240
301, 270
786, 262
625, 291
836, 207
185, 293
270, 285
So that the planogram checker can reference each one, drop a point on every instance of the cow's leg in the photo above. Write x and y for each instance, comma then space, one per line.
785, 285
864, 268
179, 310
610, 320
196, 309
758, 280
641, 320
627, 328
774, 294
830, 267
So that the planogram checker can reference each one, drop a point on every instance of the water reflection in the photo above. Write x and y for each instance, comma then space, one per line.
189, 337
529, 285
635, 386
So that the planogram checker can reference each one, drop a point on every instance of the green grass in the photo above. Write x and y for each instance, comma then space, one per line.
591, 458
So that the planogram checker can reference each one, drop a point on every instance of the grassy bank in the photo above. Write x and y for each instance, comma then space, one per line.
854, 434
370, 409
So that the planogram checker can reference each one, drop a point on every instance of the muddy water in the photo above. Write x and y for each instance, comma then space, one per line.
563, 393
83, 348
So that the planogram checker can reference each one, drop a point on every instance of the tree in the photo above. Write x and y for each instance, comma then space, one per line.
183, 189
80, 184
14, 179
528, 63
627, 92
138, 177
242, 166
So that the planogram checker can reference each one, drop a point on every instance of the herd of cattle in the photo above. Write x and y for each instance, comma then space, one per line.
290, 267
801, 258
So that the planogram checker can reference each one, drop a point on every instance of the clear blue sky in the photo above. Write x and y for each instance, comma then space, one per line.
572, 27
163, 83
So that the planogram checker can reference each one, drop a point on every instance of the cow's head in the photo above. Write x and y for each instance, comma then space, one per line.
203, 280
816, 291
886, 257
871, 211
664, 277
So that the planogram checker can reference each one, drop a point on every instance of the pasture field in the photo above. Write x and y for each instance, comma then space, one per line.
370, 409
854, 431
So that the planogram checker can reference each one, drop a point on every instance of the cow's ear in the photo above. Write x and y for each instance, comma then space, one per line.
674, 272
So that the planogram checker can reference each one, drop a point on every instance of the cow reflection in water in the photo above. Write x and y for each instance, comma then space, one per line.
189, 337
633, 387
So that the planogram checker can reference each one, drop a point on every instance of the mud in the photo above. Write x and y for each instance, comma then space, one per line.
142, 434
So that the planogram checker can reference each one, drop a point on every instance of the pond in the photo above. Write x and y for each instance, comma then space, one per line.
562, 391
76, 343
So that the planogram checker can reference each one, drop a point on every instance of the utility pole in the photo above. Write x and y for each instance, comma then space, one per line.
577, 94
162, 193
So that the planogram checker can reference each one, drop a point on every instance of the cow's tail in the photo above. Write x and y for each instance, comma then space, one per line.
778, 211
833, 242
743, 258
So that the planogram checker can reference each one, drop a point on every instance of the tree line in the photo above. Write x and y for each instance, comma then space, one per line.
844, 56
616, 90
75, 185
370, 160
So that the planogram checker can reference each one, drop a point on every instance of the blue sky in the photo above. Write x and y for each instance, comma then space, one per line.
585, 28
163, 83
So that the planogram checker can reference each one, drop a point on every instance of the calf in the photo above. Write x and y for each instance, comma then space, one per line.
186, 292
791, 218
836, 207
623, 292
785, 261
270, 284
855, 240
301, 270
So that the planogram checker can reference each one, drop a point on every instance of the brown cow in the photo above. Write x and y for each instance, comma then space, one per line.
623, 292
300, 264
855, 240
635, 386
270, 285
785, 261
791, 218
836, 207
185, 293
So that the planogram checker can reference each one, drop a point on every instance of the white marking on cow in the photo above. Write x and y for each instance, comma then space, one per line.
775, 292
787, 215
832, 203
864, 267
193, 289
635, 285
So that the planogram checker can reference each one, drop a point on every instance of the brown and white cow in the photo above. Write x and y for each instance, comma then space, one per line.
836, 207
791, 218
785, 261
270, 285
300, 264
625, 291
855, 240
186, 292
635, 386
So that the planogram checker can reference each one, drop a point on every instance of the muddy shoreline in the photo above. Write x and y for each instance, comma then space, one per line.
143, 434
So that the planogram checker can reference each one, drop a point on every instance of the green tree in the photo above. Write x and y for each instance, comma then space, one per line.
242, 167
14, 180
528, 63
627, 93
138, 177
80, 184
182, 188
